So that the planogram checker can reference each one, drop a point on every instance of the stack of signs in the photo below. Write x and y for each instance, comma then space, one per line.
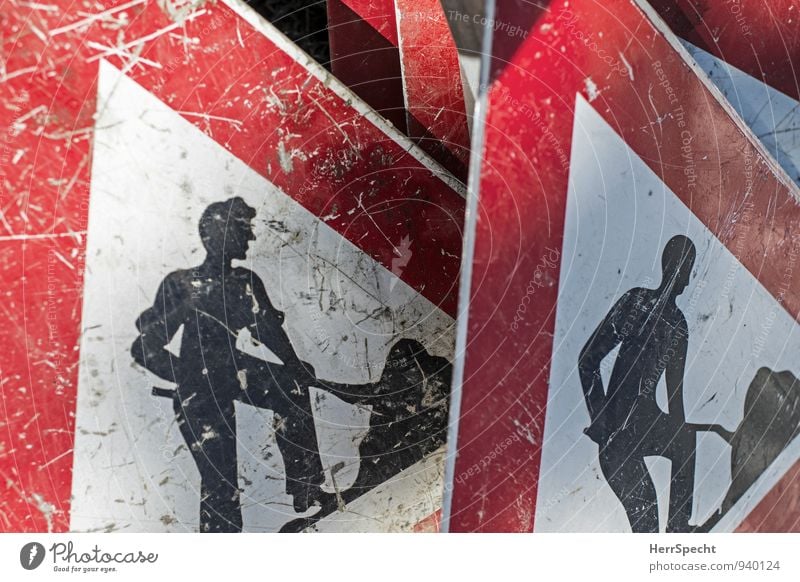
400, 57
628, 362
230, 284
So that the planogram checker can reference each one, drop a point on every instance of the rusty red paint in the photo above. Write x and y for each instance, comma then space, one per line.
778, 511
379, 14
431, 524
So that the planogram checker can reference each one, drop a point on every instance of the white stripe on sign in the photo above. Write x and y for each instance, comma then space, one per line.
153, 175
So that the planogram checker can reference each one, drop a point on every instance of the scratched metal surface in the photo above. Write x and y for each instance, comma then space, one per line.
358, 239
601, 145
432, 83
402, 59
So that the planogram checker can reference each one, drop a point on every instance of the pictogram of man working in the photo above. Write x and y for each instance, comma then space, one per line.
213, 302
626, 421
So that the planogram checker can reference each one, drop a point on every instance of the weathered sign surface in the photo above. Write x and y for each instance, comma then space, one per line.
629, 352
262, 338
432, 83
400, 57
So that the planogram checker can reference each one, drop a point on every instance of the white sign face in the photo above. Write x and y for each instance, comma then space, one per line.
619, 219
153, 176
773, 116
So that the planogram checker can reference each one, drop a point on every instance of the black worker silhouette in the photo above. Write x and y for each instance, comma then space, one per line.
626, 421
209, 305
213, 302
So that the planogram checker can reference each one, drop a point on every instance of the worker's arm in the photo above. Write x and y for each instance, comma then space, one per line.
602, 341
674, 373
156, 327
267, 327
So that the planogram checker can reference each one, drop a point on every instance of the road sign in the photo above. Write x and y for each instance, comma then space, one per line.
750, 53
262, 248
632, 306
400, 56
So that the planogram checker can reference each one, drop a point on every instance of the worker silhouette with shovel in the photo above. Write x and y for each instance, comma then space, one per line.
626, 421
208, 306
212, 303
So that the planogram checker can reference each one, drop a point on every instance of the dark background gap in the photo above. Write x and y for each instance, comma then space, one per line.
303, 21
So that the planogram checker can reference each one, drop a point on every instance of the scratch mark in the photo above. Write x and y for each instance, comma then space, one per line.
54, 459
95, 17
336, 125
18, 72
208, 117
148, 37
77, 234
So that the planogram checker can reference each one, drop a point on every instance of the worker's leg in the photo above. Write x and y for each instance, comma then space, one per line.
275, 389
296, 436
669, 438
681, 492
212, 442
627, 475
